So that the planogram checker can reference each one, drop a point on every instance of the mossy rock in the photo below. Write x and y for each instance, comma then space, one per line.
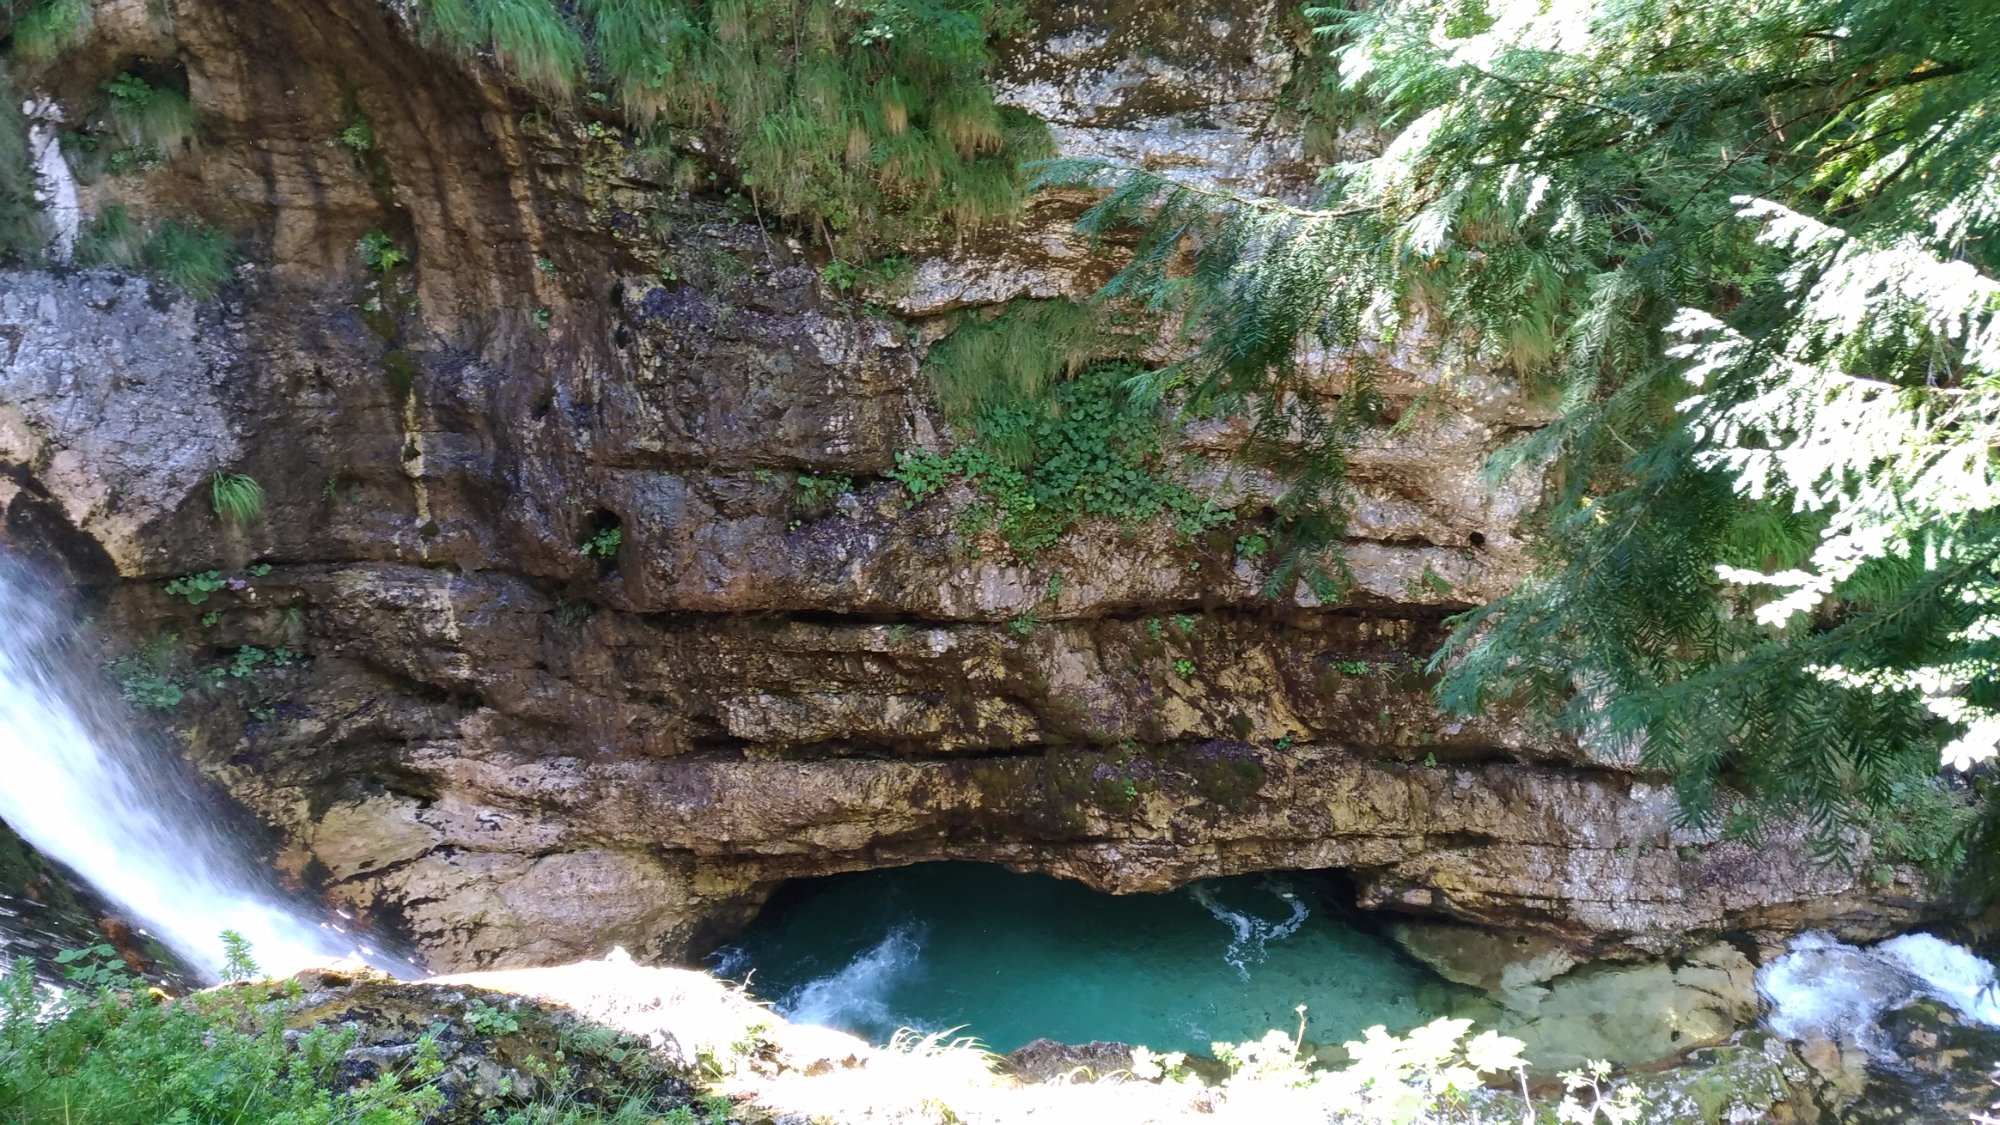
497, 1052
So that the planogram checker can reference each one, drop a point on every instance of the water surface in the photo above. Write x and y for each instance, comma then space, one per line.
1013, 958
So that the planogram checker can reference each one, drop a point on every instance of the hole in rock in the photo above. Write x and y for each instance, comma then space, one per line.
1478, 539
1012, 958
603, 535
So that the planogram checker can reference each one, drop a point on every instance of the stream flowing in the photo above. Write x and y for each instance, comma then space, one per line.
112, 805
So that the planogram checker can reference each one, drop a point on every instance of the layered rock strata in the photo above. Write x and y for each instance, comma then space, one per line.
523, 751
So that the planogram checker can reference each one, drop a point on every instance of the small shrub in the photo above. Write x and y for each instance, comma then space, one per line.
146, 678
237, 963
1185, 668
604, 543
236, 497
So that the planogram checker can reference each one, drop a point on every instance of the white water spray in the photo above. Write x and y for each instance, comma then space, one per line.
85, 790
1824, 987
856, 996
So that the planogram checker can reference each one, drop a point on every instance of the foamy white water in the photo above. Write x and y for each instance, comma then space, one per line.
857, 995
1251, 936
86, 789
1824, 987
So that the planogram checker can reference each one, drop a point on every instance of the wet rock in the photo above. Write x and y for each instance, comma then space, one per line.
1633, 1016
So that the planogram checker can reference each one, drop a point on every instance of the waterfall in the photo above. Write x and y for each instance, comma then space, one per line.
88, 791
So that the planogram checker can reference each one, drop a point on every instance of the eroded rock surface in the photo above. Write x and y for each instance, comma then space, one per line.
524, 752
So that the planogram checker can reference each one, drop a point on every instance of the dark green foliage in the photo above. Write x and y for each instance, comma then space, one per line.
380, 253
1749, 254
43, 29
110, 1056
817, 495
196, 259
1089, 452
869, 124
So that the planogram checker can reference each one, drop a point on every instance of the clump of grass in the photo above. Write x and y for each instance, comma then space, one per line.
1018, 355
113, 238
147, 117
869, 124
44, 29
236, 497
192, 257
530, 38
196, 259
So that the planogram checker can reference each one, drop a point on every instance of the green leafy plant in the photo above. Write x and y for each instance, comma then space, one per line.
604, 543
543, 317
817, 495
487, 1019
197, 588
1024, 624
380, 253
237, 962
147, 677
1184, 668
1040, 470
358, 136
44, 29
236, 497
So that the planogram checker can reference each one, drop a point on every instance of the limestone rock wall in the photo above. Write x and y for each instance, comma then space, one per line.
523, 753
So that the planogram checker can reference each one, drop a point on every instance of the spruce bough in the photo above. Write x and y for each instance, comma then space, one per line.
1750, 254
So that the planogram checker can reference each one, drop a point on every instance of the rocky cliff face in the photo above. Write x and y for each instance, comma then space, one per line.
525, 752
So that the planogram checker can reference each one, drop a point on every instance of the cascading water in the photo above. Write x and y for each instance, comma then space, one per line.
88, 792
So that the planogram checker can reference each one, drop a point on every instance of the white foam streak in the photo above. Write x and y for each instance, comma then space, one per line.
83, 789
1252, 935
